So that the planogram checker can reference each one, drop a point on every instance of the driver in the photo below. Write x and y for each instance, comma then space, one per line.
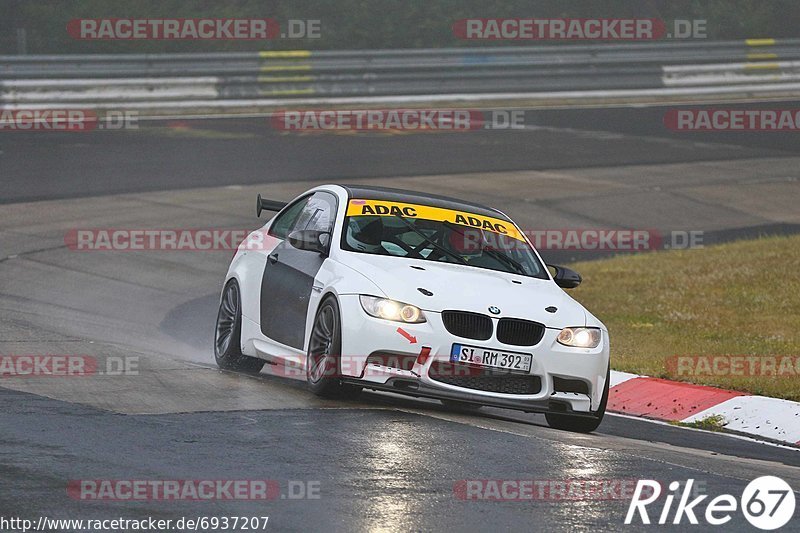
367, 238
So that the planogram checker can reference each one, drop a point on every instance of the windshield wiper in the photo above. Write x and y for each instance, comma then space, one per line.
509, 261
436, 245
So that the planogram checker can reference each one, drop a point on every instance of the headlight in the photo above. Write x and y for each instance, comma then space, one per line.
391, 310
580, 337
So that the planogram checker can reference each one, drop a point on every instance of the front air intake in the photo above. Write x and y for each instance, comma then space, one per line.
519, 332
468, 325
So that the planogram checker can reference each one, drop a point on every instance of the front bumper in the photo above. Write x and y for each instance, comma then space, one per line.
366, 336
568, 403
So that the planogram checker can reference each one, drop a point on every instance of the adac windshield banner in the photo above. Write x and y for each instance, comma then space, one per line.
426, 212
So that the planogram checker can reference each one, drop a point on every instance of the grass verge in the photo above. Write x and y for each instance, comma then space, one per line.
726, 315
709, 423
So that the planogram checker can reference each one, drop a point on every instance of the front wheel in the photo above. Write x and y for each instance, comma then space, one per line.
228, 334
324, 353
581, 424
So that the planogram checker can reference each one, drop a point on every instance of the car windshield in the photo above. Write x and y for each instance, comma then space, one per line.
438, 234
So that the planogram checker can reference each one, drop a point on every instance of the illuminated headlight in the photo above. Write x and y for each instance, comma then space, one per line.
580, 337
391, 310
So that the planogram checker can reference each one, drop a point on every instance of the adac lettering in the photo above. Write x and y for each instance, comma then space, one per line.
379, 209
478, 223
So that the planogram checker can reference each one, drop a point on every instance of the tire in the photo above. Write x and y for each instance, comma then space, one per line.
323, 372
460, 406
580, 424
228, 334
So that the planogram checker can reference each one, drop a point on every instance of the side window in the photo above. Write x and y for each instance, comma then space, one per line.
318, 214
286, 220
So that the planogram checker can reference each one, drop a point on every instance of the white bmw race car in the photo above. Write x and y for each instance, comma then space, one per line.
401, 291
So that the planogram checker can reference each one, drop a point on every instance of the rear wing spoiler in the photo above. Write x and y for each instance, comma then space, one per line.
269, 205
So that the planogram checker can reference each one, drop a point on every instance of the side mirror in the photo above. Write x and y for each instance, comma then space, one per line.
310, 240
565, 278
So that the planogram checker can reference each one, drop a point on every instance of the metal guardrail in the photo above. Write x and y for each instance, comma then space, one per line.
162, 80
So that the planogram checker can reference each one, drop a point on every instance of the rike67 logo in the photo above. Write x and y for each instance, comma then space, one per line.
767, 502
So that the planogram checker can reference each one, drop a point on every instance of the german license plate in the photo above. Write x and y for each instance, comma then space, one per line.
474, 355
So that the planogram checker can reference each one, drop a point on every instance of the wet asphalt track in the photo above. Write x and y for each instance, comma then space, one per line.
383, 463
378, 469
179, 154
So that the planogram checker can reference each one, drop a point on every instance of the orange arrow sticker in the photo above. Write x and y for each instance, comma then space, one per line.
412, 339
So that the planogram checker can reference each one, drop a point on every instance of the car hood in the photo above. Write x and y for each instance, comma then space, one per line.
467, 288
